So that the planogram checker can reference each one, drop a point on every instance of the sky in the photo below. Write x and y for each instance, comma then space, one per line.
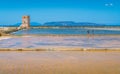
95, 11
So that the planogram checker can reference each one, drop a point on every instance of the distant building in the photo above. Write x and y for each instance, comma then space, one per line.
25, 22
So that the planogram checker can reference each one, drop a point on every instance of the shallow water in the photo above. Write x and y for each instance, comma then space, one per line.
66, 31
59, 62
61, 41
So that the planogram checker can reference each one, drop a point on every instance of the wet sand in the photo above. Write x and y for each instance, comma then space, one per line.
59, 62
5, 37
56, 42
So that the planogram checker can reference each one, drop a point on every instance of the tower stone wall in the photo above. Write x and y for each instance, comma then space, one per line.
25, 22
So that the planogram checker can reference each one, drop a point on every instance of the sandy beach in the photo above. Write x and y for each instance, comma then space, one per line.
60, 55
59, 62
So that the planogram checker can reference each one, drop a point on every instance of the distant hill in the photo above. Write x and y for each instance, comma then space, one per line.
35, 24
18, 24
71, 23
31, 24
62, 23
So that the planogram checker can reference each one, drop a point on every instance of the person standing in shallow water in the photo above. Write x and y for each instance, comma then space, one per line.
92, 32
88, 33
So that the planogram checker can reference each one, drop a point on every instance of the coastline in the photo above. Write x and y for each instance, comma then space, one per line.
58, 59
58, 48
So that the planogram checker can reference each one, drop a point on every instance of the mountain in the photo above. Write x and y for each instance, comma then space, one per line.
62, 23
15, 25
31, 24
35, 24
88, 24
71, 23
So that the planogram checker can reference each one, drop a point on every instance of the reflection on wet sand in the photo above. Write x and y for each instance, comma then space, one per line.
59, 62
89, 41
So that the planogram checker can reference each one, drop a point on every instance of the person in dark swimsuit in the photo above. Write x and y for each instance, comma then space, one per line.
88, 32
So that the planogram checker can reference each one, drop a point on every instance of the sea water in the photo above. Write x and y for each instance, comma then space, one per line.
104, 39
67, 31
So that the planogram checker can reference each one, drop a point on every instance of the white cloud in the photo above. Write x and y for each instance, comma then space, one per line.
109, 4
106, 4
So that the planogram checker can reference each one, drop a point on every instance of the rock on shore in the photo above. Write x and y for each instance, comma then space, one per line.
7, 30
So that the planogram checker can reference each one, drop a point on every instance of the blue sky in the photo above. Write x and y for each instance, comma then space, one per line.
96, 11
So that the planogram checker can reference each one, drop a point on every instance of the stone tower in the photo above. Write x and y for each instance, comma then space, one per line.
25, 22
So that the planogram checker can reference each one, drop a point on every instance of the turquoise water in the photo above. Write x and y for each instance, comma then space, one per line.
78, 31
